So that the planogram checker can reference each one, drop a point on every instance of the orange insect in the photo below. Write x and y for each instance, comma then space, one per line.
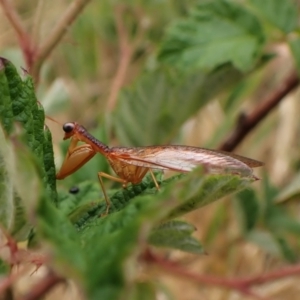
132, 164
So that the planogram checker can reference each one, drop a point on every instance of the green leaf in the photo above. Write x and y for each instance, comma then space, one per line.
6, 182
57, 230
6, 114
74, 204
216, 32
274, 243
17, 166
249, 208
291, 191
143, 290
216, 224
281, 14
27, 188
26, 110
286, 250
32, 116
178, 226
120, 234
85, 206
21, 167
160, 102
21, 227
295, 49
48, 162
106, 261
27, 180
270, 193
278, 220
4, 268
177, 235
15, 85
265, 240
202, 190
130, 227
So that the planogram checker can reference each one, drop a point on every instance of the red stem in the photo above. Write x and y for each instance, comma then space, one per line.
27, 45
125, 57
41, 288
243, 285
247, 122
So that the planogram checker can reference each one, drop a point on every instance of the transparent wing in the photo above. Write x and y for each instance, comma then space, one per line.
185, 158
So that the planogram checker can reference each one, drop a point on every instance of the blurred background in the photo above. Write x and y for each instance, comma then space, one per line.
159, 72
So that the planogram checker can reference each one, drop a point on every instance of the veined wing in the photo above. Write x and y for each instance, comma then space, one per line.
185, 158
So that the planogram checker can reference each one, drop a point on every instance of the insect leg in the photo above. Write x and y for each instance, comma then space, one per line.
117, 179
76, 157
154, 179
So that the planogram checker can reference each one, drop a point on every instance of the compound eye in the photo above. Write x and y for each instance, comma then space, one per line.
68, 127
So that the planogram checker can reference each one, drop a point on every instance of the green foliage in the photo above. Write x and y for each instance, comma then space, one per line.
281, 14
295, 49
4, 268
143, 290
249, 208
151, 104
198, 42
133, 213
6, 184
175, 234
23, 107
290, 191
18, 163
281, 227
6, 112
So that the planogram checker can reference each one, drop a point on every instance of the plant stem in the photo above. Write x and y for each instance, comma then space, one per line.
57, 33
125, 57
42, 287
247, 122
242, 285
25, 41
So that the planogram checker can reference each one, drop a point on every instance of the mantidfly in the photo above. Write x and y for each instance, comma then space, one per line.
132, 164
